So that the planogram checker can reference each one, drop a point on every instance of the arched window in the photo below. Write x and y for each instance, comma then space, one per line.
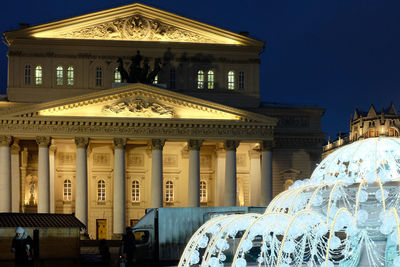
231, 80
38, 75
169, 191
210, 79
117, 76
70, 75
59, 75
200, 79
135, 191
101, 190
203, 191
172, 81
67, 194
27, 74
241, 80
99, 76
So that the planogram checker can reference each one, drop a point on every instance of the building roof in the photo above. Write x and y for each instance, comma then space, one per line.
42, 220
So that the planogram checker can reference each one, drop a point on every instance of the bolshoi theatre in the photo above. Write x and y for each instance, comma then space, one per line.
113, 112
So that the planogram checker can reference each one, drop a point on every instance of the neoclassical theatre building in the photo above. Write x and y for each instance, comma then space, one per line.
116, 111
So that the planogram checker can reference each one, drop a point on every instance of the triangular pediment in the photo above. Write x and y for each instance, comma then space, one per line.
135, 22
137, 101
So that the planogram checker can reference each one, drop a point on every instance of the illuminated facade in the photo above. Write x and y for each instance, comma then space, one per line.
76, 138
368, 124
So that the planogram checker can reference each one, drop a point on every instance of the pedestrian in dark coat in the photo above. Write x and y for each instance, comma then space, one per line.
22, 248
105, 253
128, 246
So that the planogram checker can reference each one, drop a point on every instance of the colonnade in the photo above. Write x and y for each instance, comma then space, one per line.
261, 164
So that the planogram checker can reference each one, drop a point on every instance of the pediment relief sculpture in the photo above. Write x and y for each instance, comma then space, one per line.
140, 107
136, 28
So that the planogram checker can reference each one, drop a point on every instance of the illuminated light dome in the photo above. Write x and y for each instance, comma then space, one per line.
345, 215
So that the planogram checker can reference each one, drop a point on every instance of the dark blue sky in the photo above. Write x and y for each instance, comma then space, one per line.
336, 54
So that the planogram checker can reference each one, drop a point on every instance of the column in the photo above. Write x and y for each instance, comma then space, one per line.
194, 173
119, 186
81, 178
43, 175
230, 172
15, 177
219, 176
255, 177
52, 171
24, 171
156, 173
266, 172
5, 173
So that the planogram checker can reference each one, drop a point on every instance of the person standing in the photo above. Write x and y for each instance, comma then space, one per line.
128, 246
22, 248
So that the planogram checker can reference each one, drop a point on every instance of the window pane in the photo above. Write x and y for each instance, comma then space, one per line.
101, 190
210, 77
99, 76
59, 75
38, 75
231, 80
67, 194
70, 76
155, 79
135, 191
28, 74
169, 191
203, 191
241, 80
172, 84
200, 79
117, 76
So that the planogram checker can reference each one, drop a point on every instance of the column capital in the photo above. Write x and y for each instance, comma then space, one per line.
120, 143
231, 144
267, 145
81, 142
15, 148
157, 143
43, 141
5, 140
194, 144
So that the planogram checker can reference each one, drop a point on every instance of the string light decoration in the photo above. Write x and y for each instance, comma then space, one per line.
345, 215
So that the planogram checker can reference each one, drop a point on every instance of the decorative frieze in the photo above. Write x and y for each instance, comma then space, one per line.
170, 160
135, 160
139, 107
136, 28
101, 159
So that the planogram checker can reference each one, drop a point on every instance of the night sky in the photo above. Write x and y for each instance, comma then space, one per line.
334, 54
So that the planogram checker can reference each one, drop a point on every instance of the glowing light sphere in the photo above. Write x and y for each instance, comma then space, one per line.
346, 214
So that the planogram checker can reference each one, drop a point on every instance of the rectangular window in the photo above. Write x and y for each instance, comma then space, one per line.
210, 79
231, 80
28, 74
70, 76
99, 76
169, 191
200, 79
38, 75
155, 80
172, 84
59, 75
241, 80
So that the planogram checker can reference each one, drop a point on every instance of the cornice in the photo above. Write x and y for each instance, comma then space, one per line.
134, 128
105, 16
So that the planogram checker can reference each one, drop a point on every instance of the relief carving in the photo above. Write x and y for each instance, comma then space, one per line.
66, 158
241, 160
205, 161
135, 160
139, 106
137, 28
170, 160
101, 159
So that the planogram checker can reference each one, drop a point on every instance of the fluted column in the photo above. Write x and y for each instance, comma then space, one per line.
24, 168
219, 176
81, 196
230, 172
194, 173
119, 186
5, 173
266, 172
156, 173
43, 175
